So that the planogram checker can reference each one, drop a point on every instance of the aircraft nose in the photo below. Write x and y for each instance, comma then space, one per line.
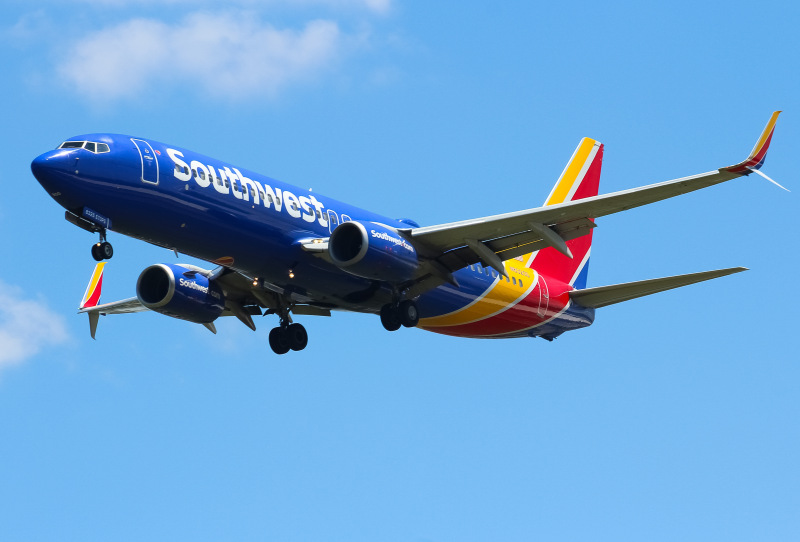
50, 162
39, 166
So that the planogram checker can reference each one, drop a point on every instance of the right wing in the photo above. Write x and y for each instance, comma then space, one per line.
501, 237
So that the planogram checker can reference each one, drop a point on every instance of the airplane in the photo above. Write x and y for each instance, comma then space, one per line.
281, 250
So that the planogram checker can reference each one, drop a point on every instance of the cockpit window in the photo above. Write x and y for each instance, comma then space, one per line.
71, 145
90, 146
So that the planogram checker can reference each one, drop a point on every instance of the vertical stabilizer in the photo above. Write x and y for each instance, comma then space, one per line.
580, 179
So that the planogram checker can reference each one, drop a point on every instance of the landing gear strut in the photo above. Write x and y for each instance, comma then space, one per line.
405, 314
102, 250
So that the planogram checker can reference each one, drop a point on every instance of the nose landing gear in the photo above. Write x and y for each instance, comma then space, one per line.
102, 250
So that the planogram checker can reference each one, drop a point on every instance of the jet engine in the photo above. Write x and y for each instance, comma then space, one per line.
373, 251
180, 292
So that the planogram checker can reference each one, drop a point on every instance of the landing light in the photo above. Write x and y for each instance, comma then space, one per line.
291, 274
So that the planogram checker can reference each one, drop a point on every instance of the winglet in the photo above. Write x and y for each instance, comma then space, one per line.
759, 153
92, 296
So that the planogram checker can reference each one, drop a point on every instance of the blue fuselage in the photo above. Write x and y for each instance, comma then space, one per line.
214, 211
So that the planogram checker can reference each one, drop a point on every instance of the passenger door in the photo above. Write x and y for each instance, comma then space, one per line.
149, 161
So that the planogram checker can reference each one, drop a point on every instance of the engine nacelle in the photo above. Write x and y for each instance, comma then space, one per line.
373, 251
180, 292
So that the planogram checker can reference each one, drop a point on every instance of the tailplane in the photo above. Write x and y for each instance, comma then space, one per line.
603, 296
580, 179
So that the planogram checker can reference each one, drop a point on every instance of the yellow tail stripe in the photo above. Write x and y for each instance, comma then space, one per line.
571, 173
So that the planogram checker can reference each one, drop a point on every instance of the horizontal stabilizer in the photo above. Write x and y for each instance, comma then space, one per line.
602, 296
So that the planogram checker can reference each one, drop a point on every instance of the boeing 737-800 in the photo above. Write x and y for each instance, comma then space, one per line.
279, 249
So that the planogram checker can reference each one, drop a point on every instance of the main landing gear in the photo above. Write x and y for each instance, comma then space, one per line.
102, 250
395, 315
288, 337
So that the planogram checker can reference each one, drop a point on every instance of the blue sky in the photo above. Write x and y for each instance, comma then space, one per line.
672, 417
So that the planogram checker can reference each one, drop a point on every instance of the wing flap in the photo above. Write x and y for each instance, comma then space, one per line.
515, 245
595, 298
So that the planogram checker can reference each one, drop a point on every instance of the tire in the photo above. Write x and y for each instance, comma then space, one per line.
106, 250
296, 336
278, 341
408, 314
390, 318
96, 254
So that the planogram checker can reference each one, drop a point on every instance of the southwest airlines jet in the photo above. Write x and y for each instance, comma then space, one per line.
283, 250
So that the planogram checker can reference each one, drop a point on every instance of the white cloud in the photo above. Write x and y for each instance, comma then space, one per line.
225, 55
26, 326
375, 6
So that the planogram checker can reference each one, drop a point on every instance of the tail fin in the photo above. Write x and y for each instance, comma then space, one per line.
580, 179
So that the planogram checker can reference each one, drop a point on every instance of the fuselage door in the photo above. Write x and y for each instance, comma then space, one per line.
333, 220
544, 296
149, 161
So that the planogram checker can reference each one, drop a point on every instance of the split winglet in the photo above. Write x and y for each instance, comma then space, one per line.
759, 152
92, 296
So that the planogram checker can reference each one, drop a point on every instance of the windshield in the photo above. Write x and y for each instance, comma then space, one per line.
91, 146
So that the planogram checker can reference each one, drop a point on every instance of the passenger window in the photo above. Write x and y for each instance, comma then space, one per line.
201, 174
486, 271
269, 198
514, 280
520, 284
472, 267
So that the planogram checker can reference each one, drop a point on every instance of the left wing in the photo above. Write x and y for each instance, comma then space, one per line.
242, 299
497, 238
91, 298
